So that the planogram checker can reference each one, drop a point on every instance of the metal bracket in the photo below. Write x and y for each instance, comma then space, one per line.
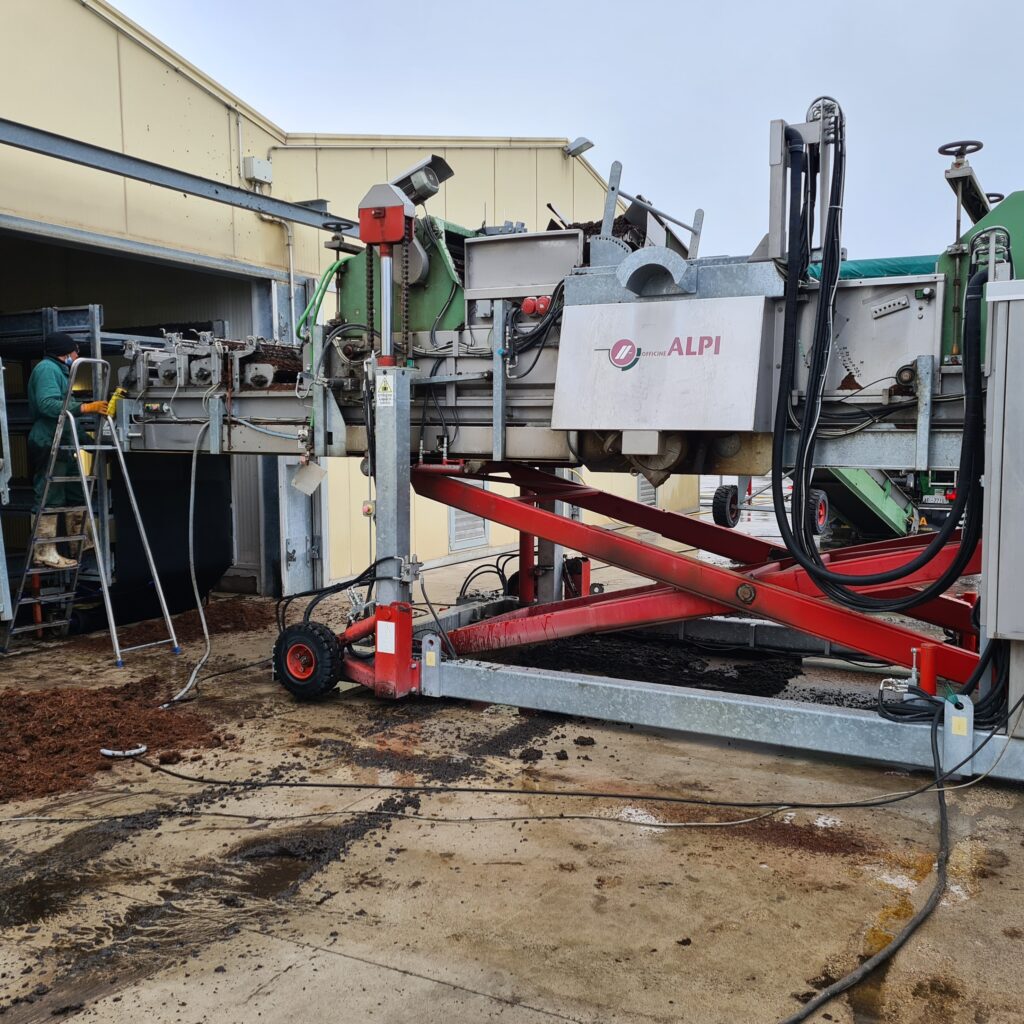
925, 367
216, 424
958, 736
430, 665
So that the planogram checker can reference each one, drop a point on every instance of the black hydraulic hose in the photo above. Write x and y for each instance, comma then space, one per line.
971, 452
794, 271
969, 495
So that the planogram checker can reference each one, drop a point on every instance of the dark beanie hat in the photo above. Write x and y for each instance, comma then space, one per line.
59, 344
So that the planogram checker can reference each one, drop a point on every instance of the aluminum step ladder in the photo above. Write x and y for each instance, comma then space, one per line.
45, 587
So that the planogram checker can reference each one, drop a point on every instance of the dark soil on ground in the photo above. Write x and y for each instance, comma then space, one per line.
50, 740
649, 660
233, 615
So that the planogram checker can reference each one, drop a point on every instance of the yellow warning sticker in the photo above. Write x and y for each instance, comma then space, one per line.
959, 725
385, 393
431, 659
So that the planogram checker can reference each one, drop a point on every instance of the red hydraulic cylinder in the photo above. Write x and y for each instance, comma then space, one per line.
358, 630
926, 668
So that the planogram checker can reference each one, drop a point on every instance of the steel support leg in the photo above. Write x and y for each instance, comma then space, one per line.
391, 464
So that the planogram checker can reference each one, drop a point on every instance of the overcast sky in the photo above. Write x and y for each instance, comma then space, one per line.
682, 93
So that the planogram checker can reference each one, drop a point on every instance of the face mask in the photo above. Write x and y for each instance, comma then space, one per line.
68, 360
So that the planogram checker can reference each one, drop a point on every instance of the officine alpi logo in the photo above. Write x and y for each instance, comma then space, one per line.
625, 353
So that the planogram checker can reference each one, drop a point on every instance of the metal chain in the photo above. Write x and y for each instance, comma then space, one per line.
405, 287
369, 296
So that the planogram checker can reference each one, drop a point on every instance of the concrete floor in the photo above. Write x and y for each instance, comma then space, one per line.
293, 905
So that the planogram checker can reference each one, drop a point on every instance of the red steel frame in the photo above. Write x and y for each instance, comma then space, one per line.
767, 583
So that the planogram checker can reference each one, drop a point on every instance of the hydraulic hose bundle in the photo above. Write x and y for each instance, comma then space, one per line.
795, 526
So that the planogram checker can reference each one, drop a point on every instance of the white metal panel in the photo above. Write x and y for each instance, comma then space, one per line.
679, 364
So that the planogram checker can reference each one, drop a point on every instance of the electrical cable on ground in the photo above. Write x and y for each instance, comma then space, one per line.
859, 973
183, 692
636, 797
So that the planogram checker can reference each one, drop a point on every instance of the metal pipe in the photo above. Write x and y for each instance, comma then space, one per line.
387, 348
660, 213
290, 245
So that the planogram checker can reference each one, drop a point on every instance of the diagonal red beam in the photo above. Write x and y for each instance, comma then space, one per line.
717, 539
714, 583
794, 577
948, 612
619, 610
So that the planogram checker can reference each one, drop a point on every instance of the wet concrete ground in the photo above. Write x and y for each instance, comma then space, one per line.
145, 897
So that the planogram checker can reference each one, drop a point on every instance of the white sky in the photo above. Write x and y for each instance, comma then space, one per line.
680, 92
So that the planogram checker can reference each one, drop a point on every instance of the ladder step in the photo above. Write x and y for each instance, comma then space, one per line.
40, 570
69, 479
53, 510
88, 448
48, 598
40, 625
139, 647
58, 540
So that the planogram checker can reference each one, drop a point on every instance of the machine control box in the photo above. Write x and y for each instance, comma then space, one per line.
693, 364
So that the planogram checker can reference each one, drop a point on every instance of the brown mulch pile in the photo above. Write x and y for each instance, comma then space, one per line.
50, 740
233, 615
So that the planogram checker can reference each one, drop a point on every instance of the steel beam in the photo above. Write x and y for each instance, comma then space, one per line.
768, 721
35, 140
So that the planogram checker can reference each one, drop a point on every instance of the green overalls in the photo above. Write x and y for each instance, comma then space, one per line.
47, 386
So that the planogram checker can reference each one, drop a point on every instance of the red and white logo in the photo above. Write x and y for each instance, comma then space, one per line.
623, 354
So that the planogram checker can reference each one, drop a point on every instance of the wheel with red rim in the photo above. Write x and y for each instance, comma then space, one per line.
307, 660
817, 511
725, 506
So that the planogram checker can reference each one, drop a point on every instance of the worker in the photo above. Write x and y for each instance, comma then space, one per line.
47, 388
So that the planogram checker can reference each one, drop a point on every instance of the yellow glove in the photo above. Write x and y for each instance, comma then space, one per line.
95, 407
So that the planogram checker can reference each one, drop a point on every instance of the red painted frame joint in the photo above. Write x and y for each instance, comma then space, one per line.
396, 672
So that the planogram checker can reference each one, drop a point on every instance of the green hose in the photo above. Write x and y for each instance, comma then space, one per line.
312, 311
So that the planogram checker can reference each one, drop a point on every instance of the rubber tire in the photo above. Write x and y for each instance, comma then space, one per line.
818, 511
327, 655
725, 507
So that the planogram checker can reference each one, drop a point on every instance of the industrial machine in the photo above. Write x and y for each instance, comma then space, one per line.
481, 367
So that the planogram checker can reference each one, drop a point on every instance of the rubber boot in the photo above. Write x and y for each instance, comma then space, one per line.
46, 555
77, 524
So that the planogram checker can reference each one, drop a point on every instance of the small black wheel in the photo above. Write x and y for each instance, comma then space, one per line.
817, 511
725, 507
307, 660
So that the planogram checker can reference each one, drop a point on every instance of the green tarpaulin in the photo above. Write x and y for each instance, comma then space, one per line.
896, 266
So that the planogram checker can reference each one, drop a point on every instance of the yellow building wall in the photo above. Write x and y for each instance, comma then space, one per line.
136, 96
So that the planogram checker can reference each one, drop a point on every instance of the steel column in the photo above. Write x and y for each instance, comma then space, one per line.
391, 467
